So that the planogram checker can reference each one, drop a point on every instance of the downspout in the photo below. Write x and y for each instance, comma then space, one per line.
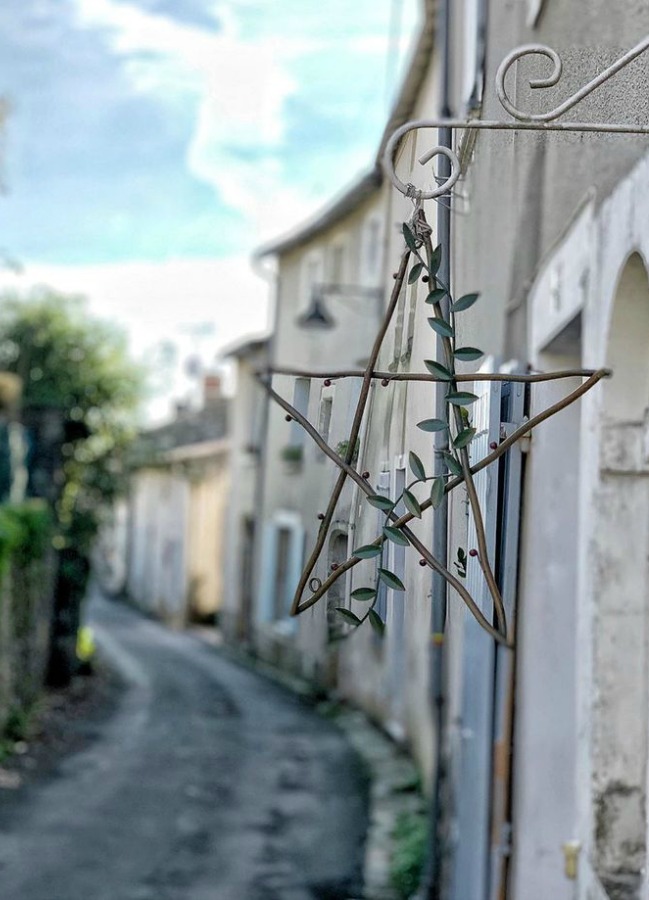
271, 276
431, 879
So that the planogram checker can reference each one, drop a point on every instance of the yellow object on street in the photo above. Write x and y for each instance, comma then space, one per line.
85, 644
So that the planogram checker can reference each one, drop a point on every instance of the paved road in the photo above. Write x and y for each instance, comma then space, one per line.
208, 784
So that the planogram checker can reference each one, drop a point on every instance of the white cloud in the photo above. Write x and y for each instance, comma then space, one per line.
239, 87
161, 302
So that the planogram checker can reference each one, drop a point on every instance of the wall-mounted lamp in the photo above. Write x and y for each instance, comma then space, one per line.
318, 317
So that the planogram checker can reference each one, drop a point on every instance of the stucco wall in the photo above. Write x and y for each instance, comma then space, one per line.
597, 743
241, 540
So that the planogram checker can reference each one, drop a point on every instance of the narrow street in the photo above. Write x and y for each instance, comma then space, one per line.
209, 783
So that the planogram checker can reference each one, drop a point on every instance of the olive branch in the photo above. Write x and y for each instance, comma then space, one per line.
424, 262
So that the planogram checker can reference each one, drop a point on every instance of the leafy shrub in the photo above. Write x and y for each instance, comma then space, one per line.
410, 837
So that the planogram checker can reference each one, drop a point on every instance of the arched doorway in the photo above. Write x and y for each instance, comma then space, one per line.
621, 576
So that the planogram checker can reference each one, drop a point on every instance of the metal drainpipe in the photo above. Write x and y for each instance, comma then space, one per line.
431, 886
273, 280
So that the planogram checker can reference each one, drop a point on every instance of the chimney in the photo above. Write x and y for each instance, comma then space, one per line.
211, 389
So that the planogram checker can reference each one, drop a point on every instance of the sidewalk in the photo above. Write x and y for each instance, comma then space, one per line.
394, 779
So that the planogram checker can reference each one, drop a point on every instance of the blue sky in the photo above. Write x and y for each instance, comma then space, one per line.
143, 130
159, 132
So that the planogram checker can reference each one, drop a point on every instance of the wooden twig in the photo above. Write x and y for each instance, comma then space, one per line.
530, 378
347, 470
421, 548
296, 606
502, 448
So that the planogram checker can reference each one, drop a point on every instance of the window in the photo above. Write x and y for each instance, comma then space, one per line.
336, 269
301, 392
282, 557
372, 250
381, 605
312, 276
282, 592
324, 423
398, 557
337, 594
396, 614
399, 316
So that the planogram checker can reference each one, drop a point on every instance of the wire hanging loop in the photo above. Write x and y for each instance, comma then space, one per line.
553, 78
409, 190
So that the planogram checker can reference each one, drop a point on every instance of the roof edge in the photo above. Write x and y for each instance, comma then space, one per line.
402, 110
333, 212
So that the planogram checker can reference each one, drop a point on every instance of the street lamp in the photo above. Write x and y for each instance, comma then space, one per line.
317, 317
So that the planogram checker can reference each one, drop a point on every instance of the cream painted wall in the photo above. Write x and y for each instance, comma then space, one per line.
176, 535
241, 540
156, 578
208, 501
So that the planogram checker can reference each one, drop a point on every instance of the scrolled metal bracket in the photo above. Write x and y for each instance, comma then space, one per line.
523, 121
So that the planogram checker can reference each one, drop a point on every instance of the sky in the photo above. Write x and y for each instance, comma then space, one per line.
152, 144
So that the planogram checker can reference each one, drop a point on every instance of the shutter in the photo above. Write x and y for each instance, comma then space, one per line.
473, 764
509, 514
483, 739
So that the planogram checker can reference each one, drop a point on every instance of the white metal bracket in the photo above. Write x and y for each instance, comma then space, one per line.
522, 120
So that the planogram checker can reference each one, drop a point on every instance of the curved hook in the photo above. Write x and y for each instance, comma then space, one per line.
553, 78
409, 190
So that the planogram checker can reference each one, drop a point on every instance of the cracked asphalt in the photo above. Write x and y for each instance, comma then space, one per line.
208, 783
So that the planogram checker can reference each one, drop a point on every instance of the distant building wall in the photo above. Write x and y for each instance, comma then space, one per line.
159, 531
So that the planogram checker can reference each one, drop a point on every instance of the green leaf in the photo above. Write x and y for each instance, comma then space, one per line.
415, 272
396, 536
391, 580
416, 466
432, 425
348, 616
409, 237
468, 354
464, 302
367, 551
437, 492
376, 622
436, 296
461, 554
435, 260
460, 398
441, 327
380, 502
438, 370
452, 464
464, 438
363, 594
412, 504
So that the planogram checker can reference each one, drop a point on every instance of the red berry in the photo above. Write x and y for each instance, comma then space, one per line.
321, 516
395, 275
385, 382
422, 562
289, 418
473, 552
493, 445
334, 566
425, 278
327, 382
365, 475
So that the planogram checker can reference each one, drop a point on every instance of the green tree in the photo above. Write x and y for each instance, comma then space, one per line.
75, 370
